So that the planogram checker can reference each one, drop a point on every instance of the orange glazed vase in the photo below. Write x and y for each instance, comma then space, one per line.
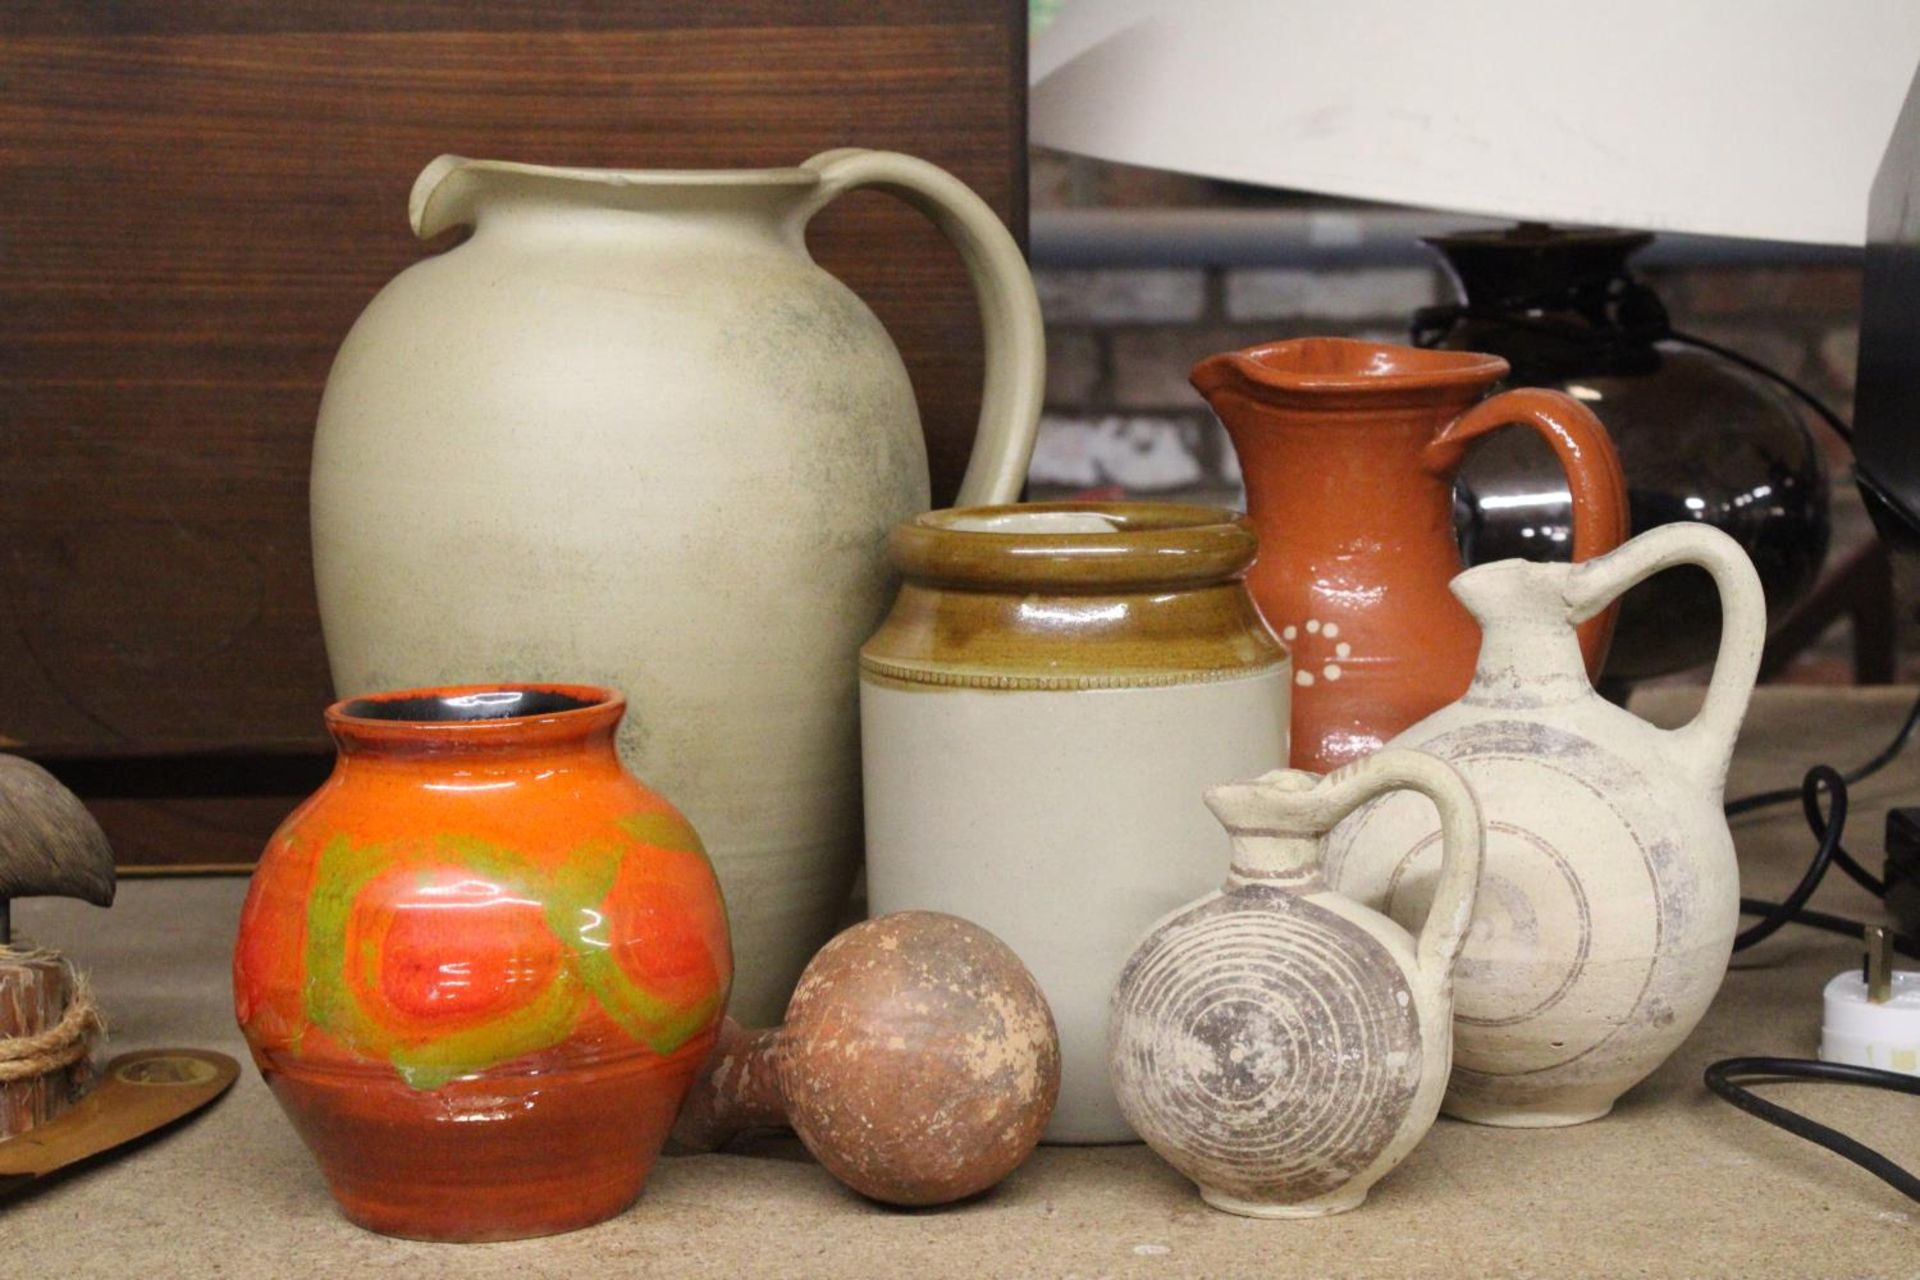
481, 965
1349, 450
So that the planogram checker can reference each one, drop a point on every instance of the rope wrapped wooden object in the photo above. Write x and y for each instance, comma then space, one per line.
48, 1021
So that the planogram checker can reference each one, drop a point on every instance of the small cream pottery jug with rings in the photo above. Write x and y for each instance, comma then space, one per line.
1280, 1044
1610, 896
629, 433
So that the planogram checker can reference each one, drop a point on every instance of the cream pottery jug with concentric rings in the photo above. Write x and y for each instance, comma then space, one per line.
628, 433
1278, 1043
1610, 897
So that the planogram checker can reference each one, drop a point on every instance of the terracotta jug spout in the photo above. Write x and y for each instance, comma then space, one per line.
1309, 371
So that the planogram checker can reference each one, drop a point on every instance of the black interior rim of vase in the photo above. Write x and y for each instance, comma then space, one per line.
481, 704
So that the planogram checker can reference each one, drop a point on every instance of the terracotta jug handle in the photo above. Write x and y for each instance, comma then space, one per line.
1594, 478
1293, 802
1743, 626
1016, 356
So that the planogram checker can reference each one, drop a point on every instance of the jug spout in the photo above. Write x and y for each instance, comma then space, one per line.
452, 191
1327, 372
1275, 827
1530, 653
1515, 593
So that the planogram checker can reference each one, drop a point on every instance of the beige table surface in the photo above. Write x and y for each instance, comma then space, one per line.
1675, 1182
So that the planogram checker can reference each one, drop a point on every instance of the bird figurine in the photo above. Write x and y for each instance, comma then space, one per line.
49, 846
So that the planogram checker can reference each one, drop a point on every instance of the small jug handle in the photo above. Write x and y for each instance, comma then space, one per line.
1462, 843
1009, 309
1295, 803
1743, 627
1594, 478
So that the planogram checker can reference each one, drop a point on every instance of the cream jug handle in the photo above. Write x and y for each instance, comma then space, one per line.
1016, 356
1319, 808
1593, 585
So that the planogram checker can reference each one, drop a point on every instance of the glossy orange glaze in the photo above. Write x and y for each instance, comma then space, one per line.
480, 966
1349, 450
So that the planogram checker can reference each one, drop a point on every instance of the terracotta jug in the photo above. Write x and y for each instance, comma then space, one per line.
629, 433
482, 964
1280, 1044
1610, 896
1349, 450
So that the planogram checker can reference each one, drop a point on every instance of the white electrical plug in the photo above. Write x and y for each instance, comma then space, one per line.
1873, 1017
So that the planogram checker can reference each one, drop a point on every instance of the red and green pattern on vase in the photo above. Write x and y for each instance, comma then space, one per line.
457, 954
480, 967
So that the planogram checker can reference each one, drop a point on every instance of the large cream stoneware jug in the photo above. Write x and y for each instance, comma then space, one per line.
628, 433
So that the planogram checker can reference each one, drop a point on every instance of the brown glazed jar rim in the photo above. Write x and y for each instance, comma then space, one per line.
1378, 372
1156, 544
558, 712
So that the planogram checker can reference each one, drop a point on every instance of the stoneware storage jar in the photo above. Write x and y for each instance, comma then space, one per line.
629, 432
1054, 690
1610, 895
1350, 450
481, 965
1277, 1042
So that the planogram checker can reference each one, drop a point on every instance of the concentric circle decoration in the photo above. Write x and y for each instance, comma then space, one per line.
1577, 892
1265, 1046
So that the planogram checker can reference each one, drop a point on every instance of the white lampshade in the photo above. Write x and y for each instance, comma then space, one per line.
1755, 118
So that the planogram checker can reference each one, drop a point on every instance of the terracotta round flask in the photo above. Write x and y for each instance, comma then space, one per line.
481, 965
918, 1063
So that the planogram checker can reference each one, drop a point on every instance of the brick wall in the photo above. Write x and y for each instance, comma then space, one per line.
1120, 415
1120, 340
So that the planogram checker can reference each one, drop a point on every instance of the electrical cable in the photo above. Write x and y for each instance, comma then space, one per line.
1721, 1075
1886, 756
1846, 928
1843, 429
1839, 425
1828, 853
1828, 829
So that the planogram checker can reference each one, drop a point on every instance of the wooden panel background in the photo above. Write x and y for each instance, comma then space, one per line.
196, 200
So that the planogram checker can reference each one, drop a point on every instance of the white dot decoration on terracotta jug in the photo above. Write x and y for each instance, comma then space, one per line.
1309, 669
